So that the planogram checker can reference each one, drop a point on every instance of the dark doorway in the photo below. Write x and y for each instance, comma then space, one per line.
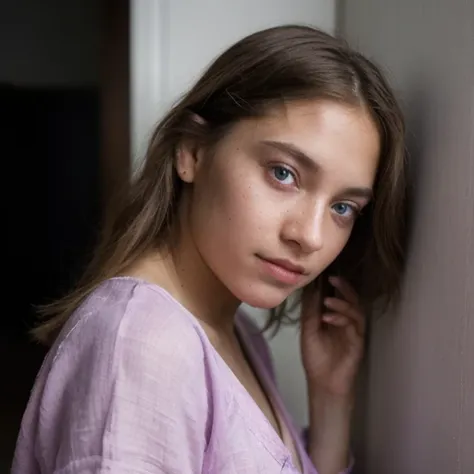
65, 148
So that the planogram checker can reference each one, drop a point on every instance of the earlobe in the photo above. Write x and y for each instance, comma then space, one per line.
186, 164
189, 155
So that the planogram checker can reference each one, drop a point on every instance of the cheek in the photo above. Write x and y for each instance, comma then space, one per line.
236, 203
335, 241
224, 209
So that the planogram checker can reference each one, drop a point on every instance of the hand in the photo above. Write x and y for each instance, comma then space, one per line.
332, 342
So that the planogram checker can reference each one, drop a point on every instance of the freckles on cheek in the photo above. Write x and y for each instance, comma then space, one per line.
247, 205
230, 204
256, 202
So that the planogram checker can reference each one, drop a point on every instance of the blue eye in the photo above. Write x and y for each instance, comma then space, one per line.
283, 175
344, 210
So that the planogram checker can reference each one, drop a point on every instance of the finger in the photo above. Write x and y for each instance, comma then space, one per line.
342, 306
345, 289
352, 308
345, 323
347, 309
335, 319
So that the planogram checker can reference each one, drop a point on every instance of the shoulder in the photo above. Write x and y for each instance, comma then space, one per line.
130, 363
132, 312
131, 344
128, 327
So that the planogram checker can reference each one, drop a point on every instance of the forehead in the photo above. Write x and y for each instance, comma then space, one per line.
339, 138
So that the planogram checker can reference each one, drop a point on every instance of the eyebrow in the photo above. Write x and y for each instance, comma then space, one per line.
298, 155
306, 162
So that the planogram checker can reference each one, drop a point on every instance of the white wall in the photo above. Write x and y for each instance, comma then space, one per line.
49, 42
172, 41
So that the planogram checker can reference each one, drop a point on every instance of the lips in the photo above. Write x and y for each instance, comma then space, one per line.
282, 272
287, 265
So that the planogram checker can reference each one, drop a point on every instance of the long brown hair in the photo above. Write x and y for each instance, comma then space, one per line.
265, 69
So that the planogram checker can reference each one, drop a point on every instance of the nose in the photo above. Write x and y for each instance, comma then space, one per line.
305, 228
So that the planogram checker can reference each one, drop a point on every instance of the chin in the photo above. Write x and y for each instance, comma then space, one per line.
263, 297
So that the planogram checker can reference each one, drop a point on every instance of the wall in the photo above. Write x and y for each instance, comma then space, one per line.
172, 41
49, 43
420, 389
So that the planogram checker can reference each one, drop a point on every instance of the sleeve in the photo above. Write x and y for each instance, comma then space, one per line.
137, 404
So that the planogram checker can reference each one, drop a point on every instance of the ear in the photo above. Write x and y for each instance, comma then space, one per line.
189, 156
186, 163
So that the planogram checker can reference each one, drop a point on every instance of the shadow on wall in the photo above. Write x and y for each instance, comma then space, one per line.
414, 105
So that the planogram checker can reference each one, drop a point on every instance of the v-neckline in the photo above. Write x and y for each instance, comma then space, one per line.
250, 359
268, 436
269, 389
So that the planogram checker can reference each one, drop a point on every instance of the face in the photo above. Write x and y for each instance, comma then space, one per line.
276, 201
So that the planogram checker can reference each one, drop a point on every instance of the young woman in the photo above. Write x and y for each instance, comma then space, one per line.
281, 171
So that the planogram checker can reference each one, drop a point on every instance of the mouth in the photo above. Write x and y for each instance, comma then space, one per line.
282, 270
287, 265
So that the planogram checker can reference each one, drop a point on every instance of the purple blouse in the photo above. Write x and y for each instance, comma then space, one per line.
133, 385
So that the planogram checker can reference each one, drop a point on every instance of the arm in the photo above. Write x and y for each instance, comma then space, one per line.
332, 343
136, 405
328, 435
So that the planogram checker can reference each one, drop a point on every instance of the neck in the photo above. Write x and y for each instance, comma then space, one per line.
182, 272
202, 292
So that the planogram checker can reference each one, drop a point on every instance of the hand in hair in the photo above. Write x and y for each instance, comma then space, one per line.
332, 342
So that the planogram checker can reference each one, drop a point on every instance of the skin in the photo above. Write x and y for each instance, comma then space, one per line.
252, 198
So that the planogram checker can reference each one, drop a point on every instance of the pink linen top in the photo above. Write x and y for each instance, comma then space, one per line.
133, 385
